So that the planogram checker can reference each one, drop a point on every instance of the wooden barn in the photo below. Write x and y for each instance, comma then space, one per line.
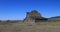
34, 16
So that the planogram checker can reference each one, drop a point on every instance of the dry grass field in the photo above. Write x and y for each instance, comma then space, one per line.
38, 27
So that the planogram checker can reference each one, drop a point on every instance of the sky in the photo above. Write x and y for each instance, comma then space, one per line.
16, 9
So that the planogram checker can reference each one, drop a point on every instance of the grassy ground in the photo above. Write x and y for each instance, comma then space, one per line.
49, 23
38, 27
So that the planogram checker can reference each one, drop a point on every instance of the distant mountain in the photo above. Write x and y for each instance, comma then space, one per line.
13, 21
54, 18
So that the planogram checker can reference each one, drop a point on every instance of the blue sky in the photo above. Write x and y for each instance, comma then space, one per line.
16, 9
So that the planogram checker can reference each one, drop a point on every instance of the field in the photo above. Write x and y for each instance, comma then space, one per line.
23, 27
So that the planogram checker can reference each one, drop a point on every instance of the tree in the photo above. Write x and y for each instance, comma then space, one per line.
8, 20
0, 20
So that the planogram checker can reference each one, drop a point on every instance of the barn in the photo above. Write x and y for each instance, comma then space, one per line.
34, 16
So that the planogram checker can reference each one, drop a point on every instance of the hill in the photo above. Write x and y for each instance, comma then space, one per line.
54, 18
